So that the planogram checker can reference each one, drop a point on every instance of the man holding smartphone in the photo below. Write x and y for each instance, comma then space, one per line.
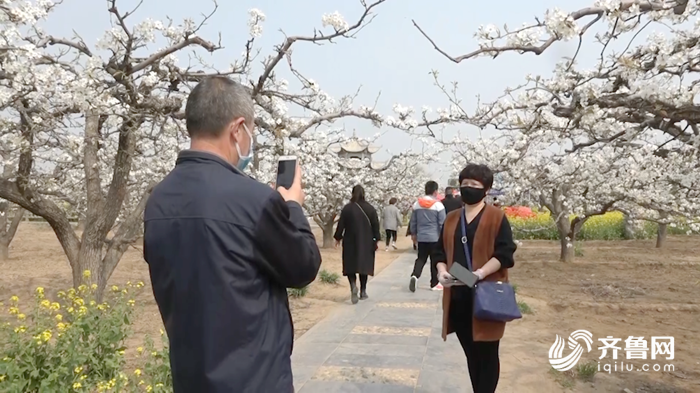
222, 248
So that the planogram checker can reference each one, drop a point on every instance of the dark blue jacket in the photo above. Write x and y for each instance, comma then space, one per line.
222, 248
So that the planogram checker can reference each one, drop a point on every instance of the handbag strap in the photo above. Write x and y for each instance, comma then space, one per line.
463, 222
365, 214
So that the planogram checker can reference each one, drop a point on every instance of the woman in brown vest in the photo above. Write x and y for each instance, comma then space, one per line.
490, 243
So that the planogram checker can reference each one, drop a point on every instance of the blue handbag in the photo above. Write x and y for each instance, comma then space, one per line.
493, 300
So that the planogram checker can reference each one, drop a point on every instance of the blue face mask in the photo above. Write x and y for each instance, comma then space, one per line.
243, 161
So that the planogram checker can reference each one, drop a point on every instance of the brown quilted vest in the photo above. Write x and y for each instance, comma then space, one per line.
482, 251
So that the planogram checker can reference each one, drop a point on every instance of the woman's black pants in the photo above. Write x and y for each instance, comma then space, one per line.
352, 278
390, 235
482, 360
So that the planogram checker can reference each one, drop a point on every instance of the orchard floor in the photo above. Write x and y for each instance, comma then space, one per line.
617, 289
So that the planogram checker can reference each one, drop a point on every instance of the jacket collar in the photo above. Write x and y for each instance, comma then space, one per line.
198, 156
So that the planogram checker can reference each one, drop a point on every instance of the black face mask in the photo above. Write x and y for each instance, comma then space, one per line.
472, 195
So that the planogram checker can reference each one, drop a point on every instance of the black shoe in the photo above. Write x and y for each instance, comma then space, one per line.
353, 294
363, 295
412, 284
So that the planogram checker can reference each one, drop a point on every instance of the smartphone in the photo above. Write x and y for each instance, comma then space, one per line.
286, 171
464, 275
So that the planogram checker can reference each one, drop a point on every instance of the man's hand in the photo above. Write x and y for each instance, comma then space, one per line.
295, 192
337, 243
414, 238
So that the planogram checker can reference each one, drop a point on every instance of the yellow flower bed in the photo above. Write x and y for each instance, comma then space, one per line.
609, 226
75, 343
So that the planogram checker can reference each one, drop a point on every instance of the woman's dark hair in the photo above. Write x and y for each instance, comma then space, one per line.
358, 194
478, 172
392, 201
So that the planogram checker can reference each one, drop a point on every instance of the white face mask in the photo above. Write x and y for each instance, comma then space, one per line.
243, 161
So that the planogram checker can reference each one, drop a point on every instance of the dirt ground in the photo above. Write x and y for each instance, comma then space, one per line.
37, 259
617, 289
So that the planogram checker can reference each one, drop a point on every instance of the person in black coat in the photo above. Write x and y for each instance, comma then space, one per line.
450, 202
358, 229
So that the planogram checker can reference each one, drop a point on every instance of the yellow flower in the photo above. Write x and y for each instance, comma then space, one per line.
154, 353
82, 310
70, 310
83, 377
125, 291
61, 326
61, 294
40, 291
103, 307
115, 288
77, 385
14, 310
46, 304
20, 329
46, 335
137, 372
86, 274
82, 288
121, 352
128, 283
14, 299
139, 349
93, 287
78, 370
149, 388
21, 317
2, 378
131, 302
92, 303
55, 306
139, 284
141, 382
59, 317
162, 332
78, 301
159, 385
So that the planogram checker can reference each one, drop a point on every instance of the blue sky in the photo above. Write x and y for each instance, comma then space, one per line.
388, 57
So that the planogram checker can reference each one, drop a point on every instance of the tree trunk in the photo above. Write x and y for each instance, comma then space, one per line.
628, 228
566, 253
7, 232
328, 234
661, 235
566, 241
4, 250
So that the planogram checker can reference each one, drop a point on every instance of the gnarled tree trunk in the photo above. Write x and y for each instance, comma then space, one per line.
8, 227
628, 228
661, 235
327, 223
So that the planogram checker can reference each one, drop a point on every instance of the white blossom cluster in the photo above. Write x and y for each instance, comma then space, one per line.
88, 130
620, 135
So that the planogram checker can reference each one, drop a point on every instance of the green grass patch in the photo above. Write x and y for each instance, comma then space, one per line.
328, 277
297, 292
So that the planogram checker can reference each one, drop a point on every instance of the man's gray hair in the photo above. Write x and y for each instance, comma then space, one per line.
214, 103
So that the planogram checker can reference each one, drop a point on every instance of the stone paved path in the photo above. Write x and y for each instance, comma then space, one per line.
389, 343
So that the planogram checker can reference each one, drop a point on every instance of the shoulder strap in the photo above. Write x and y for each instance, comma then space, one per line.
463, 223
365, 214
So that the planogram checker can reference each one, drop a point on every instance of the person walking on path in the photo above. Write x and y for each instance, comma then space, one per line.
392, 223
426, 223
221, 250
490, 242
450, 202
358, 229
